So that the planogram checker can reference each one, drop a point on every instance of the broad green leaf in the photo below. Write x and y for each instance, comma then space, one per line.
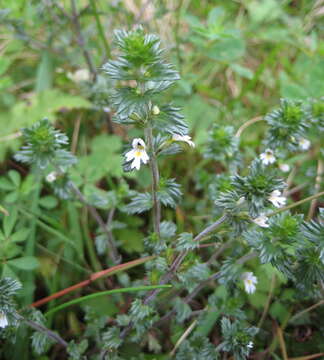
24, 263
44, 77
9, 222
20, 235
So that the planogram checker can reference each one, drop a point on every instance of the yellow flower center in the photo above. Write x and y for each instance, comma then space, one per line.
138, 153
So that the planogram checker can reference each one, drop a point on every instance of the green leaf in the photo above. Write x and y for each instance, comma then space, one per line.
48, 202
20, 235
44, 77
9, 222
24, 263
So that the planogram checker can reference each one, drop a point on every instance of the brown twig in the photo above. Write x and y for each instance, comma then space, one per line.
93, 277
247, 124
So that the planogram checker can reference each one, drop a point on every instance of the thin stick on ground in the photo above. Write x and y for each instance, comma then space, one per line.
183, 338
247, 124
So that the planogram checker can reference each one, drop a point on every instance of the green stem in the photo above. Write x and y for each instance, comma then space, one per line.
155, 182
296, 204
100, 28
103, 293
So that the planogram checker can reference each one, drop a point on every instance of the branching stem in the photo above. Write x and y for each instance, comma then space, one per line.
45, 331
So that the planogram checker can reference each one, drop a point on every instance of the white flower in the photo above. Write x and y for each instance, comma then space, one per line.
267, 157
3, 320
250, 345
284, 167
51, 177
155, 110
185, 138
137, 154
261, 221
249, 281
304, 144
79, 75
276, 198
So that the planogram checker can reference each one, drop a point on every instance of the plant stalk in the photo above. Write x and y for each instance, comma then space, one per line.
155, 181
297, 203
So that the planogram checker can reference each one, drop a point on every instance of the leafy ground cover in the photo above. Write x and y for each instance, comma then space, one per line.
161, 181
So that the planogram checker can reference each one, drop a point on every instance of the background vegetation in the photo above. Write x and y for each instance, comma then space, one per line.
236, 59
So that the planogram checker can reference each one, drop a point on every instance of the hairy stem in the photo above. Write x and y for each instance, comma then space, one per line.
204, 283
45, 331
155, 182
173, 268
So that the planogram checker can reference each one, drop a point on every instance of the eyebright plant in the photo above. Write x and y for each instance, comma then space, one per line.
250, 221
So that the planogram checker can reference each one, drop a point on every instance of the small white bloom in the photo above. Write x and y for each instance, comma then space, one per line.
249, 281
267, 157
106, 109
155, 110
79, 75
3, 320
284, 167
51, 177
185, 138
261, 221
250, 345
276, 199
304, 144
137, 154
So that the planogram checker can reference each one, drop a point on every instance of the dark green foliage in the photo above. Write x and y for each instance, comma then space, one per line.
111, 338
186, 242
170, 121
139, 203
222, 145
44, 147
257, 186
183, 310
315, 113
8, 289
287, 125
197, 348
237, 339
41, 343
169, 192
76, 350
